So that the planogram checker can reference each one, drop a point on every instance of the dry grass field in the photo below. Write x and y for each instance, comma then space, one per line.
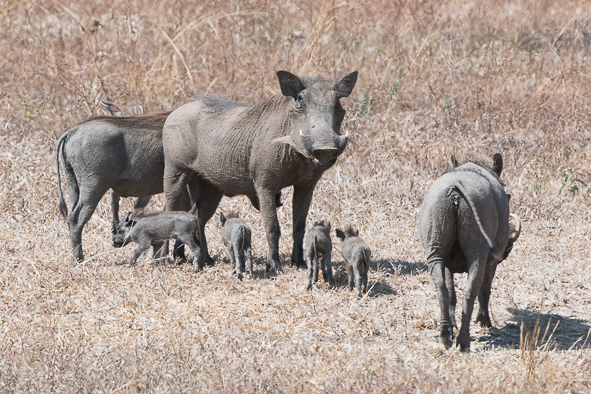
435, 78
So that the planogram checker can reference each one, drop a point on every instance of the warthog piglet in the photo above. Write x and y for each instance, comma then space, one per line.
318, 249
154, 229
357, 255
237, 238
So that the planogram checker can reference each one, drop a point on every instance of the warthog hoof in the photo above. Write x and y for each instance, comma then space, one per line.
446, 341
484, 320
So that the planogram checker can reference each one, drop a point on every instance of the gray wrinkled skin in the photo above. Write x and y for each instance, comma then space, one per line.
318, 249
122, 154
218, 146
237, 238
357, 255
463, 224
154, 229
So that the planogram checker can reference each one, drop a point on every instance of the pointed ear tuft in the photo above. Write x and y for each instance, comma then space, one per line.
340, 234
344, 86
328, 226
291, 84
454, 161
222, 218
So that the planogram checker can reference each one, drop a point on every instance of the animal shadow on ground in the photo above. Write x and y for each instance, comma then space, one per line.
376, 289
398, 267
560, 332
258, 264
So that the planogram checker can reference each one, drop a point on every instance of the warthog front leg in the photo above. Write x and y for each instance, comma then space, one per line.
271, 224
249, 261
302, 197
141, 248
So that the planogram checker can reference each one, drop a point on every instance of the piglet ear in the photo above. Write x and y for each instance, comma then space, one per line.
328, 226
127, 217
340, 234
222, 218
454, 161
357, 233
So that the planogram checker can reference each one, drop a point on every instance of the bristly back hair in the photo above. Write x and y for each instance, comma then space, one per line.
320, 223
350, 232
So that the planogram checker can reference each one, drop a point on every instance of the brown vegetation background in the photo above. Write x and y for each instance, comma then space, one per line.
435, 78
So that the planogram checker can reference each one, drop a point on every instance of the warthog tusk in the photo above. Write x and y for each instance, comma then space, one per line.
347, 134
301, 134
517, 225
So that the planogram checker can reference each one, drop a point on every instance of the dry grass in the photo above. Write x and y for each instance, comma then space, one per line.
462, 77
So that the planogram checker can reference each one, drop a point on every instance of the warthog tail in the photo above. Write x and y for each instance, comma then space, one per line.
59, 150
491, 246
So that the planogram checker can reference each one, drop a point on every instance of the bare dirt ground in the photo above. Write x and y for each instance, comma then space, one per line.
435, 79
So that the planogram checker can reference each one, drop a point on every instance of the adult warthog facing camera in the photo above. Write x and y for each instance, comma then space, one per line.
464, 227
122, 154
218, 146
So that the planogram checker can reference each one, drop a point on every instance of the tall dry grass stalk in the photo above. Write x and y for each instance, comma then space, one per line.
436, 78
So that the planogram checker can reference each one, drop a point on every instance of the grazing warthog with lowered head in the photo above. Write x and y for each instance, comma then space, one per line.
357, 255
154, 229
218, 146
122, 154
318, 250
237, 238
464, 227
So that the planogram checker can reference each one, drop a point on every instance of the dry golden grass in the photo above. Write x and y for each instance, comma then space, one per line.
461, 77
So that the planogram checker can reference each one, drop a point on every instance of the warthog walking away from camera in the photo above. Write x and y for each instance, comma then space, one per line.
464, 227
318, 250
357, 255
122, 154
237, 238
219, 146
154, 229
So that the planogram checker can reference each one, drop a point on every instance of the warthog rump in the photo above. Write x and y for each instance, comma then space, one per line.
357, 255
122, 154
218, 146
464, 227
318, 250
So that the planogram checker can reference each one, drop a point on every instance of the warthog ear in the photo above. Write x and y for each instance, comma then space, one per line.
127, 217
291, 84
497, 164
340, 234
222, 218
454, 161
345, 85
508, 197
328, 226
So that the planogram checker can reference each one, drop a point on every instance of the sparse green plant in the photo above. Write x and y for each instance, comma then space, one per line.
571, 183
535, 188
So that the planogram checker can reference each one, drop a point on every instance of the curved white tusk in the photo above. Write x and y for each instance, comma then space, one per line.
301, 134
517, 225
347, 134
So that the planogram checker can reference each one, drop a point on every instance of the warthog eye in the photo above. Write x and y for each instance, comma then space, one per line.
299, 101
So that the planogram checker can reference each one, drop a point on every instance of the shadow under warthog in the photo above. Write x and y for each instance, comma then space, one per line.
570, 332
376, 289
399, 267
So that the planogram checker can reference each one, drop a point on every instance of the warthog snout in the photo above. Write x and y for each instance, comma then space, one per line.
325, 155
